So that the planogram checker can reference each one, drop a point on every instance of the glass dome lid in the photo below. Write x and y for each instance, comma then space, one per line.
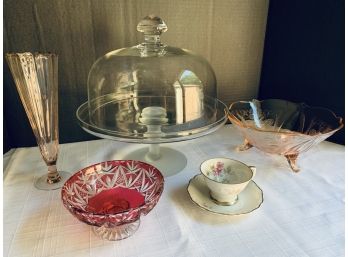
151, 92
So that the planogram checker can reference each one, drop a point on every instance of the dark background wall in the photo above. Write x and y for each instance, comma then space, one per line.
304, 54
303, 59
229, 33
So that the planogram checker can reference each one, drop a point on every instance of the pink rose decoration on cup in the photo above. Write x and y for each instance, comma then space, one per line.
219, 167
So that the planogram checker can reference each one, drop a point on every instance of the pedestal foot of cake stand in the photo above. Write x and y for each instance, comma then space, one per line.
167, 160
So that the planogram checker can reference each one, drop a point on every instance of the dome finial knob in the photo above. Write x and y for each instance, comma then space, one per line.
152, 25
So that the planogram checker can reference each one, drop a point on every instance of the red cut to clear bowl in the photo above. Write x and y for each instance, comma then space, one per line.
111, 196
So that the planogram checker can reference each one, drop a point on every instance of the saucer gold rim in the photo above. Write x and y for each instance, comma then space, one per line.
219, 213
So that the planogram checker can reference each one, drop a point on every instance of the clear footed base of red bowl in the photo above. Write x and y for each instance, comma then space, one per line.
113, 233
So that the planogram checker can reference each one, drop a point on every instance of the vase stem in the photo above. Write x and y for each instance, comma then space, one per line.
53, 175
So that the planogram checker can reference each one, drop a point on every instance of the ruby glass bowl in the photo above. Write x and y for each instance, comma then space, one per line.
282, 127
111, 196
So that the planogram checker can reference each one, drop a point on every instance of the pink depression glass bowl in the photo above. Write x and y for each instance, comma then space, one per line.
281, 127
111, 196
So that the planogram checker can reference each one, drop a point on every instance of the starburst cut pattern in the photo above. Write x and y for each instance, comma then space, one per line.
91, 181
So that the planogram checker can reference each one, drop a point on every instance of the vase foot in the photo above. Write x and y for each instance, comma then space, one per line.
42, 183
292, 162
114, 233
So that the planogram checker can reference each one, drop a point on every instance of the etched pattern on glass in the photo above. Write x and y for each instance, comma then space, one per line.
281, 127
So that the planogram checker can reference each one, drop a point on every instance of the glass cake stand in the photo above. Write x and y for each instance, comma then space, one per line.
151, 127
152, 94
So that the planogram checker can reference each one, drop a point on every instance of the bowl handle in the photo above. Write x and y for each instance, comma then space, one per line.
253, 169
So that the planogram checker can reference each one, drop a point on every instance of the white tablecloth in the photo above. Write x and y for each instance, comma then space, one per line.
302, 214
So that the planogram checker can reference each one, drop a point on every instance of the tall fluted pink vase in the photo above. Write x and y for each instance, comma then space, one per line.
36, 79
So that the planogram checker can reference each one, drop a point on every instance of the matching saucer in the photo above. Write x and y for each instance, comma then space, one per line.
248, 200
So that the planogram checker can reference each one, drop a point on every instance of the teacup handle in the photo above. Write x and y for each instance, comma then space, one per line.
253, 169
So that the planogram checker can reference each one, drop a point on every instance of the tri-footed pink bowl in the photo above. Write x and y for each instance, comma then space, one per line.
111, 196
281, 127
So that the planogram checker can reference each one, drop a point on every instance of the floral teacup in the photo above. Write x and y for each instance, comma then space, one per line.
226, 178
